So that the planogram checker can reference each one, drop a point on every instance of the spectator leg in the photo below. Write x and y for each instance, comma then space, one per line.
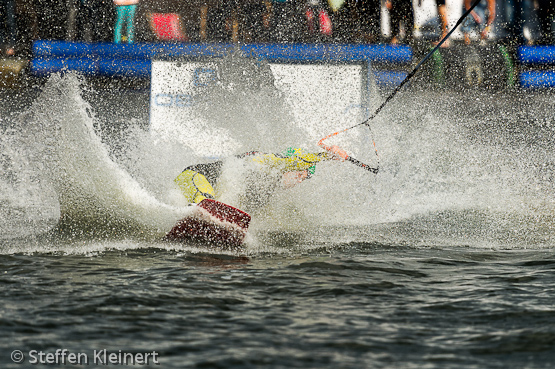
203, 22
71, 20
11, 26
234, 26
130, 23
545, 16
442, 10
119, 24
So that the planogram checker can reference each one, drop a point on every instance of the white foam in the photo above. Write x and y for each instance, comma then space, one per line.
441, 180
91, 187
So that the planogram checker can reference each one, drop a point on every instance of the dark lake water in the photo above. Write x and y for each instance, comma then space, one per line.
356, 305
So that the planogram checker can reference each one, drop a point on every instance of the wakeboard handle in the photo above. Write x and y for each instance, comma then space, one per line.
344, 155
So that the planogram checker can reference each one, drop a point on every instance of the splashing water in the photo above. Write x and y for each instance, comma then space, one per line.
27, 204
95, 195
481, 177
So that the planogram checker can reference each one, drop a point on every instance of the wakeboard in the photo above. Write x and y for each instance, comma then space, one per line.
214, 223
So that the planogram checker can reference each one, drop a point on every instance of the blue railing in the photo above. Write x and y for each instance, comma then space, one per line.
535, 59
134, 60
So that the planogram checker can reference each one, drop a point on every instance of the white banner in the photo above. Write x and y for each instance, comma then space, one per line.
219, 108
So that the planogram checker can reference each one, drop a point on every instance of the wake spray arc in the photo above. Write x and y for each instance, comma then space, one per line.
390, 97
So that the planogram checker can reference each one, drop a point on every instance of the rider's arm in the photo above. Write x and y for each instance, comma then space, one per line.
297, 159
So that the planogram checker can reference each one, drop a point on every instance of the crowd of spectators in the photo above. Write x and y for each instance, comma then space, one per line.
340, 21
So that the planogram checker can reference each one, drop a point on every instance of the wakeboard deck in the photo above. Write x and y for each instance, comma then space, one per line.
214, 223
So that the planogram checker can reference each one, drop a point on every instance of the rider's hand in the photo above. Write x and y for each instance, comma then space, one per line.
339, 153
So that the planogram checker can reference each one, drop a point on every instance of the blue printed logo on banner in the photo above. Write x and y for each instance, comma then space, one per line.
203, 77
173, 100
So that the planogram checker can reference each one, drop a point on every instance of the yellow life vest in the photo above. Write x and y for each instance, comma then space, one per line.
197, 182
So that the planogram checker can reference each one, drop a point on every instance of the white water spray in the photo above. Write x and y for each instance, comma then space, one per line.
448, 176
96, 195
